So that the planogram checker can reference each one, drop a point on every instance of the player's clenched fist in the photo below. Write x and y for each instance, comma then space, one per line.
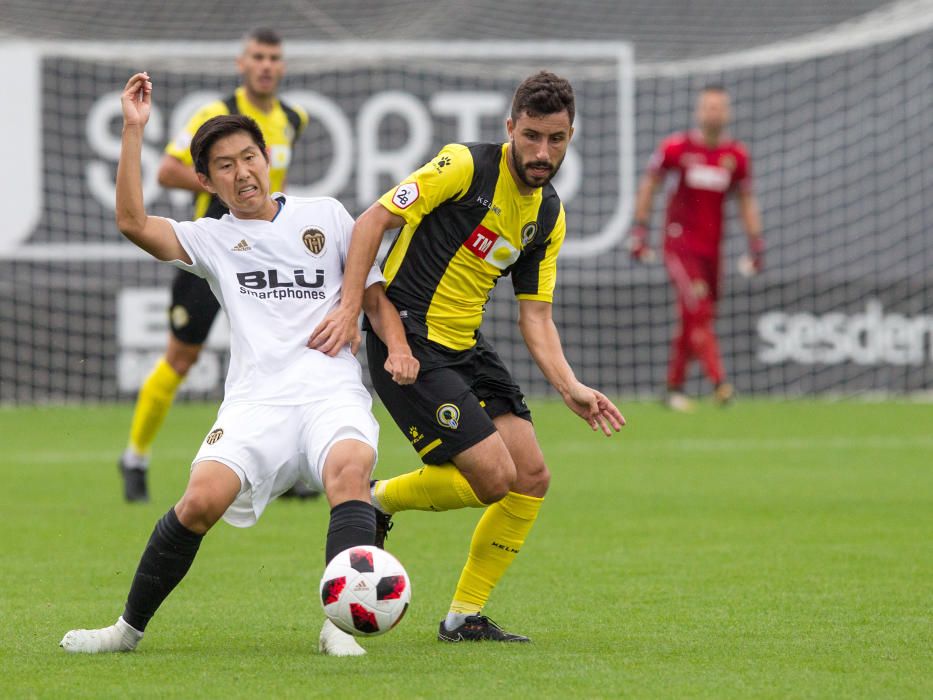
137, 100
403, 367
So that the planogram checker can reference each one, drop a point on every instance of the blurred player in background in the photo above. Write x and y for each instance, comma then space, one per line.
194, 308
705, 165
289, 412
473, 214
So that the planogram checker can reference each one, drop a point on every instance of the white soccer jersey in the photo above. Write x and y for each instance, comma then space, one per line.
277, 280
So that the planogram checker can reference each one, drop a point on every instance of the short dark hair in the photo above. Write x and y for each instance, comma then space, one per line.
263, 35
541, 94
218, 127
714, 87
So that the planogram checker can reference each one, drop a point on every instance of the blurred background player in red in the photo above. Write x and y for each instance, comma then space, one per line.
704, 165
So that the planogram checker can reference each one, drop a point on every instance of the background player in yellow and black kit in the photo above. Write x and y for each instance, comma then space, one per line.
194, 308
473, 214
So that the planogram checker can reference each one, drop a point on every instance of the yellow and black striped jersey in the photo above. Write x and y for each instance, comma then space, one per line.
467, 225
280, 127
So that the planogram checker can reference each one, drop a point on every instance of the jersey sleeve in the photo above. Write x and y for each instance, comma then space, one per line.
345, 224
445, 177
535, 274
192, 239
302, 119
665, 156
180, 145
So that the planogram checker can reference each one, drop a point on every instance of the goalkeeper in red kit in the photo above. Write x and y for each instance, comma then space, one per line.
704, 165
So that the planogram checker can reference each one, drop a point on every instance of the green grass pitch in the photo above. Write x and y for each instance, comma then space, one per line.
772, 550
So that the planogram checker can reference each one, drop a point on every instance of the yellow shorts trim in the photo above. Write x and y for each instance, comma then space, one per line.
430, 446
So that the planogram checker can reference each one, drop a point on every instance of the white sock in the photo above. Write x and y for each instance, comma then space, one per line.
374, 499
454, 620
134, 460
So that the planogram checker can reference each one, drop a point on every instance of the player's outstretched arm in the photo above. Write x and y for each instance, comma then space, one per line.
384, 318
341, 326
177, 175
153, 234
750, 213
639, 245
543, 341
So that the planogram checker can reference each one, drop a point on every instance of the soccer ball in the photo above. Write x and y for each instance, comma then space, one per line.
365, 591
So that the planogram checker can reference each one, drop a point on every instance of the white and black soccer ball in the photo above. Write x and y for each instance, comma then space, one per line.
365, 591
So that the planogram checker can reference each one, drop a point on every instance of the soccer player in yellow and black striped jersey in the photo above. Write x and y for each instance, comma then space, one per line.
194, 308
473, 214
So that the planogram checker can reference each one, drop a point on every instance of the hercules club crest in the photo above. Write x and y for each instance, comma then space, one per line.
528, 232
314, 240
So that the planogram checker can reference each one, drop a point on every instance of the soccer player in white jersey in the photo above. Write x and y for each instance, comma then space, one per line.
289, 412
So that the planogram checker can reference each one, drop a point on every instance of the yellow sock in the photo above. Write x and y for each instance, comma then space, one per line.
431, 487
498, 537
155, 397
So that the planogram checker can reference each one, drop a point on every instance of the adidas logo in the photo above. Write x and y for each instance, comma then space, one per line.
361, 586
241, 246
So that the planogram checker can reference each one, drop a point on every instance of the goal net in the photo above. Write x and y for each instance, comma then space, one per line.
837, 124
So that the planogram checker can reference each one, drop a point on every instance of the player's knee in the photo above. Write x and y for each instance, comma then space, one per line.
198, 511
538, 478
496, 482
533, 478
182, 356
348, 473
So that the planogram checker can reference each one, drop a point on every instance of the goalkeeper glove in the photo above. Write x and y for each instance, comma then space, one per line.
638, 244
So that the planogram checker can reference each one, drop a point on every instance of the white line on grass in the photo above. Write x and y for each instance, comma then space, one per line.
79, 457
863, 442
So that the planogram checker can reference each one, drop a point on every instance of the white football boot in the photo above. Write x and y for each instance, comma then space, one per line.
335, 642
678, 402
118, 637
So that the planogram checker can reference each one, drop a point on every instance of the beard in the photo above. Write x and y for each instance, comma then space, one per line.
522, 168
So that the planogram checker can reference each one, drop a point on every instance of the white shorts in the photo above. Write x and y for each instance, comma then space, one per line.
271, 447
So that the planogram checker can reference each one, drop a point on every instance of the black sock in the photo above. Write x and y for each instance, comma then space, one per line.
165, 562
352, 523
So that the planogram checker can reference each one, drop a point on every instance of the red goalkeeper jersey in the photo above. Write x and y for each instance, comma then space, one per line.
704, 176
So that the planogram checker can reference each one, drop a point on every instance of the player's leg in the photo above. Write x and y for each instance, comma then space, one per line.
168, 555
347, 470
504, 525
341, 447
441, 418
682, 278
477, 476
499, 537
352, 523
703, 340
709, 353
191, 315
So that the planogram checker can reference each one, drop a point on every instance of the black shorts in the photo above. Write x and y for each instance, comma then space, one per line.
451, 405
193, 310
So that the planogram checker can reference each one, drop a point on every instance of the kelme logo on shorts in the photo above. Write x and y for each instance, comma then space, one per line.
448, 415
214, 436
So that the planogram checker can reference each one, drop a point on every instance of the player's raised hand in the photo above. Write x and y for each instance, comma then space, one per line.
339, 327
137, 100
403, 366
593, 407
